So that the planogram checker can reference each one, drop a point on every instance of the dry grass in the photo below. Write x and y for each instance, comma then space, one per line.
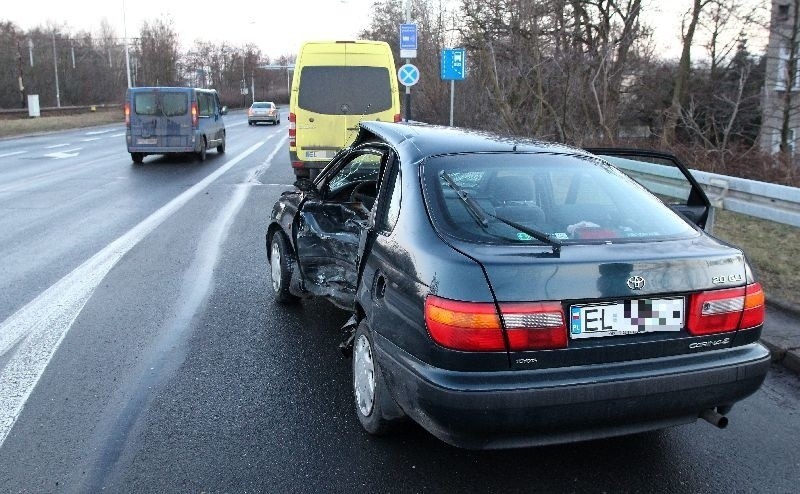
772, 248
22, 126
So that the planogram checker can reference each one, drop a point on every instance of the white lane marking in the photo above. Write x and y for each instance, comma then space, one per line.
67, 153
117, 135
58, 146
235, 124
95, 132
12, 154
90, 139
38, 328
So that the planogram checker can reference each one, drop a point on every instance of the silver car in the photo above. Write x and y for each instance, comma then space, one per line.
263, 111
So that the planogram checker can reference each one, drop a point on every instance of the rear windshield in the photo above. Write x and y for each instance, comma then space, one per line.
262, 105
337, 90
570, 198
157, 103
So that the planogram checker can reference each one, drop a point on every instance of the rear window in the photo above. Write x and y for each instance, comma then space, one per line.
157, 103
337, 90
262, 105
570, 198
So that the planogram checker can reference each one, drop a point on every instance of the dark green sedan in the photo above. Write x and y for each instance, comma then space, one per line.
506, 292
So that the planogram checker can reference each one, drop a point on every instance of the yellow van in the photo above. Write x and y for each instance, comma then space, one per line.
336, 85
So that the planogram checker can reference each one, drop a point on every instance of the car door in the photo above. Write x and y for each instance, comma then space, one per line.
331, 227
667, 177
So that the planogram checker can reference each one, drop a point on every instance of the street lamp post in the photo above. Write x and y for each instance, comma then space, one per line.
125, 33
55, 66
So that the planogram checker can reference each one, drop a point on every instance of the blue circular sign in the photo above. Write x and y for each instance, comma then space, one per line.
408, 74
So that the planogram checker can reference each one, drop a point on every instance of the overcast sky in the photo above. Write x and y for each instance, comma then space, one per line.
278, 27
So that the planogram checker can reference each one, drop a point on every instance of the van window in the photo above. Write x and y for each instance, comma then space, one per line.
174, 104
145, 104
205, 104
168, 104
338, 90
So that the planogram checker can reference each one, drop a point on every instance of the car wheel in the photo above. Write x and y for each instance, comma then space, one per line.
221, 147
202, 154
376, 409
280, 270
137, 158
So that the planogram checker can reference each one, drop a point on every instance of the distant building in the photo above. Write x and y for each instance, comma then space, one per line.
781, 93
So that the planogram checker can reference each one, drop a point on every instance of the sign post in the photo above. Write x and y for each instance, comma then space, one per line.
454, 68
408, 50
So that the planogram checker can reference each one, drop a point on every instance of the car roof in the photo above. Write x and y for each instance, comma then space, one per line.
431, 140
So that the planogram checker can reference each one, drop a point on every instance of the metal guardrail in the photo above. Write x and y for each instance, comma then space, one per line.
778, 203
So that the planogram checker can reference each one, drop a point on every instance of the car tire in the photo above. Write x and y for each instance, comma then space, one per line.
201, 155
280, 269
221, 147
376, 409
137, 158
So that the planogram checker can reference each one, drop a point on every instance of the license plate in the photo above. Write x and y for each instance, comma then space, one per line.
151, 140
318, 154
628, 317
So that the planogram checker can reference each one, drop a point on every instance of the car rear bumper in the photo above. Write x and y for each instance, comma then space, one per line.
263, 118
488, 410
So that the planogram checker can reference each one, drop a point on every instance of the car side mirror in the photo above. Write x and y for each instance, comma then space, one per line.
224, 110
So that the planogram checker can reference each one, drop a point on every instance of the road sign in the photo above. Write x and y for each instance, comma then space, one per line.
408, 41
454, 64
408, 75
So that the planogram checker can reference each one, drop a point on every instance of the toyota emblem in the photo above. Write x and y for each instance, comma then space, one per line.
636, 282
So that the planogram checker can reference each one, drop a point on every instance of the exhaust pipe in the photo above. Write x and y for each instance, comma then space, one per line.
712, 417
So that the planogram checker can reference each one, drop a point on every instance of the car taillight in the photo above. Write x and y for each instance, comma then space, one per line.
292, 130
720, 311
298, 164
250, 112
468, 326
195, 115
397, 117
128, 114
476, 326
534, 326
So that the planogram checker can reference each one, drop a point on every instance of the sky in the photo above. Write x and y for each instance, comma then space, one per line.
278, 27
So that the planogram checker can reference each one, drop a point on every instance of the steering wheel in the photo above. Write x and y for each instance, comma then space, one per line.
364, 193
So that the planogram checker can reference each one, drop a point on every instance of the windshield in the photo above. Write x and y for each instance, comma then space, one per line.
566, 199
337, 90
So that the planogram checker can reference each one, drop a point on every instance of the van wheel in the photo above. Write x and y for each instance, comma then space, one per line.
202, 154
137, 158
221, 147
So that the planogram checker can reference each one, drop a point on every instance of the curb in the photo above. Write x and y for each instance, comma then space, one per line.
784, 306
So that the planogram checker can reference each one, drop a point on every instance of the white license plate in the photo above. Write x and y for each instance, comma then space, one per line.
151, 140
628, 317
320, 154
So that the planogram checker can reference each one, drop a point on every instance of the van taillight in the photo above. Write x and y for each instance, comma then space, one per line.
127, 114
292, 130
476, 326
195, 115
397, 117
720, 311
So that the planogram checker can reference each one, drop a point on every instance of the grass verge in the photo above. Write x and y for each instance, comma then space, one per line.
772, 248
22, 126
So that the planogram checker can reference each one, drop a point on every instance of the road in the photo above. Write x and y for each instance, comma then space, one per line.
141, 351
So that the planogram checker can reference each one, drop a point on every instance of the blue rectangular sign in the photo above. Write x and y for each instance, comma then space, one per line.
408, 36
454, 64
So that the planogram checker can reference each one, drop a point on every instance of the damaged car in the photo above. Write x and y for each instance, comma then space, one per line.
509, 292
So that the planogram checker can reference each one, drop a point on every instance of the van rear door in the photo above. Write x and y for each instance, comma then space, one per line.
175, 120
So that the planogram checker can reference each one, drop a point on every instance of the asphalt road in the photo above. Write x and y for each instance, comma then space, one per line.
141, 351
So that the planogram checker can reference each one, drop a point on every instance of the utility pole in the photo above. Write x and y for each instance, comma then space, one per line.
19, 68
125, 33
55, 67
